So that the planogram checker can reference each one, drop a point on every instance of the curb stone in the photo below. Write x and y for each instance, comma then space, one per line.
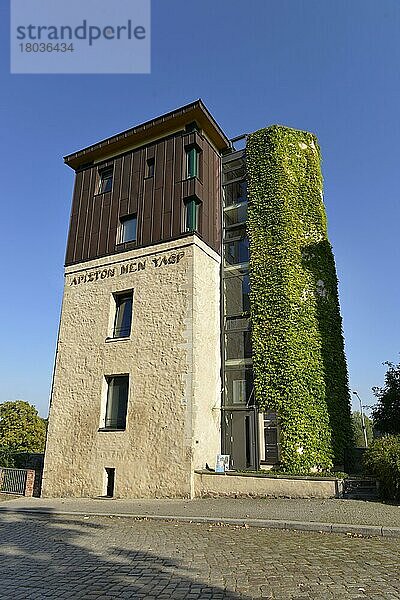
342, 528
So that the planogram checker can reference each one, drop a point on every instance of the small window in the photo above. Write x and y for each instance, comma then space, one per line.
192, 214
192, 162
123, 315
106, 179
117, 402
128, 229
150, 167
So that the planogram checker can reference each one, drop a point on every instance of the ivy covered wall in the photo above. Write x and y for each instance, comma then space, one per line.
298, 349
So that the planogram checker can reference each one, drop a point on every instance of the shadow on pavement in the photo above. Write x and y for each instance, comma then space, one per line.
47, 556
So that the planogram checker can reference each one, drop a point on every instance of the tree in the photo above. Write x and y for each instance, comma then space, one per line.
358, 430
386, 413
21, 428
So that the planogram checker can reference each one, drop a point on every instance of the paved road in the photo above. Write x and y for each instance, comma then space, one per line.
52, 556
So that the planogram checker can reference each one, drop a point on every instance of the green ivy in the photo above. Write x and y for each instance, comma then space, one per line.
298, 349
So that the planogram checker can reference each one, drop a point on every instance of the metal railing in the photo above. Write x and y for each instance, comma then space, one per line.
13, 481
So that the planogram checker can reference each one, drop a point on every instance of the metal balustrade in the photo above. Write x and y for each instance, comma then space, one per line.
13, 481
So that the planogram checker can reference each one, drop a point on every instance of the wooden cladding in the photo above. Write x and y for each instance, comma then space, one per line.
156, 200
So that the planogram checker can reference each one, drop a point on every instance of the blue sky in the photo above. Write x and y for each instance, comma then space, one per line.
328, 67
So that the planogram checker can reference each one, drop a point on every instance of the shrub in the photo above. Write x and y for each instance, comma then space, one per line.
7, 459
382, 460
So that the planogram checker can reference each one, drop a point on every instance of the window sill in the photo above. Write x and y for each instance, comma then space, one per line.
110, 429
102, 193
126, 245
117, 339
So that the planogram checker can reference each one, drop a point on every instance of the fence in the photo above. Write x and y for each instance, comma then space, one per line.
17, 481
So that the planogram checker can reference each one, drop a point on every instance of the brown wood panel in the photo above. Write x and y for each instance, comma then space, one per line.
147, 211
216, 174
124, 208
205, 195
177, 210
78, 247
104, 225
157, 214
73, 222
167, 205
159, 165
125, 176
136, 186
120, 168
88, 185
94, 233
177, 187
158, 201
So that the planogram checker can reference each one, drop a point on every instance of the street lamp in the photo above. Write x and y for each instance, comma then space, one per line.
362, 419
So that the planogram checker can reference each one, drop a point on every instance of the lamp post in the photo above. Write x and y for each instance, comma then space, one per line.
362, 419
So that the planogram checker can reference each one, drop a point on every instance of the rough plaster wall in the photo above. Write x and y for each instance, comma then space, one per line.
206, 347
234, 486
153, 457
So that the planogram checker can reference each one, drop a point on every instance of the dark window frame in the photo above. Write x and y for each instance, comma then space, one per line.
116, 408
122, 221
192, 217
106, 177
192, 158
150, 167
123, 314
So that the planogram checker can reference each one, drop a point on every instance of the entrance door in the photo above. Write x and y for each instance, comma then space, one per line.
240, 438
110, 481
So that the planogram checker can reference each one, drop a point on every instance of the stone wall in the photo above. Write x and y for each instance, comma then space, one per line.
210, 484
173, 362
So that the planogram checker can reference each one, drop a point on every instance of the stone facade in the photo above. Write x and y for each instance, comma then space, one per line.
172, 358
236, 486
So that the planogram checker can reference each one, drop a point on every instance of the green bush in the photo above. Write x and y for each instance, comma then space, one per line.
382, 460
7, 459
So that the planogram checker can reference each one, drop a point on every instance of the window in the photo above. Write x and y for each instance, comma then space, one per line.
237, 293
237, 339
233, 215
239, 385
150, 167
117, 402
128, 229
192, 162
235, 193
192, 214
236, 247
123, 315
105, 183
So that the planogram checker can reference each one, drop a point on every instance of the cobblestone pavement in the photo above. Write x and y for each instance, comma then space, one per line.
54, 557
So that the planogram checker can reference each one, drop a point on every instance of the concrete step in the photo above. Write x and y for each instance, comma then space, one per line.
363, 489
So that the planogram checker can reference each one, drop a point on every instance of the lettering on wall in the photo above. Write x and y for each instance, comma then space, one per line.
130, 267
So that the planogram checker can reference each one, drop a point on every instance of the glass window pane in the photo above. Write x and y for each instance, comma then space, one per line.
232, 216
235, 193
150, 167
234, 170
192, 215
106, 178
237, 251
237, 345
239, 386
235, 232
128, 229
123, 315
237, 291
192, 162
117, 402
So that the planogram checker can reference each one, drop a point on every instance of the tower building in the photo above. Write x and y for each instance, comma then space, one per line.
200, 312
